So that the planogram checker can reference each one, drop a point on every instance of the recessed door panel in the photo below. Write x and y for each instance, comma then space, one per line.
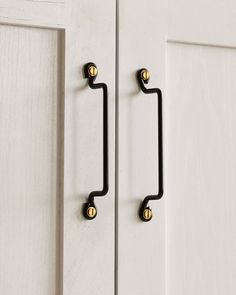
200, 170
30, 160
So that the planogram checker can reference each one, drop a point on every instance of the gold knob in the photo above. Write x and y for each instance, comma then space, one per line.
145, 75
147, 214
91, 212
92, 71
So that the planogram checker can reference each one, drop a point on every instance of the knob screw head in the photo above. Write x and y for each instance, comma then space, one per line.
145, 75
91, 212
147, 214
92, 71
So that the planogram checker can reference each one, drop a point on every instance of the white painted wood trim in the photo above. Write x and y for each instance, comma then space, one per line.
41, 13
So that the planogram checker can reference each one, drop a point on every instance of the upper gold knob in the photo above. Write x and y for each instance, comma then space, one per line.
92, 71
145, 75
147, 214
91, 212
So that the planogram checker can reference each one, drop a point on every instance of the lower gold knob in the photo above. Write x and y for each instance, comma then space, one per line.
147, 214
91, 212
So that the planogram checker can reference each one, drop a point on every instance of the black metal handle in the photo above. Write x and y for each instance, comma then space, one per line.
145, 213
89, 210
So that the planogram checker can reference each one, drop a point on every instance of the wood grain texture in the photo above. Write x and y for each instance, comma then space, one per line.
29, 160
200, 170
43, 13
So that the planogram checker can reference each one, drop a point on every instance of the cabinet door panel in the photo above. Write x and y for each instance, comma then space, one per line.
51, 147
189, 245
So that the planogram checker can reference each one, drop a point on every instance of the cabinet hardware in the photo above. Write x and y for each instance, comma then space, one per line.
145, 212
89, 209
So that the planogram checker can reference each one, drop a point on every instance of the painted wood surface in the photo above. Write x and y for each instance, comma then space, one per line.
200, 170
51, 123
141, 266
43, 13
88, 245
29, 160
183, 249
75, 256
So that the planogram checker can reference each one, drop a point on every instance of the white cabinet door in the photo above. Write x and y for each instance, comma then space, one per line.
189, 246
51, 147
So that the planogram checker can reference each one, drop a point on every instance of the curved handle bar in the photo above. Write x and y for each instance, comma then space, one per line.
89, 210
145, 213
